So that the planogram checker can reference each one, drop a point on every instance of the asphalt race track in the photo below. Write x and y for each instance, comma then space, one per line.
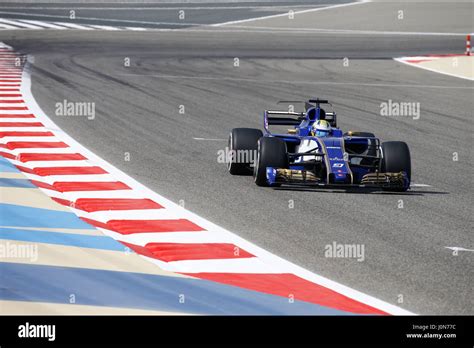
154, 14
137, 112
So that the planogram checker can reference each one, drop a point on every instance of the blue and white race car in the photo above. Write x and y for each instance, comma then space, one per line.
315, 152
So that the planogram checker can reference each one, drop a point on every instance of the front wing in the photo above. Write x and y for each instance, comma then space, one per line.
295, 177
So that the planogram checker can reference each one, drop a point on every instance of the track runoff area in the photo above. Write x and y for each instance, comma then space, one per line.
70, 185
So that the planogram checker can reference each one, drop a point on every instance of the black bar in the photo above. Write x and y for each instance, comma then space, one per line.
222, 330
363, 156
283, 121
319, 101
299, 154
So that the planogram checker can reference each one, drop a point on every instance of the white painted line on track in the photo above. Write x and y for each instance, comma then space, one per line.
209, 139
75, 26
104, 27
295, 13
94, 19
42, 24
6, 26
459, 249
15, 23
135, 29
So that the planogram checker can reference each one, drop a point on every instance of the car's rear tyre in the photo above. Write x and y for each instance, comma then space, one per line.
271, 152
396, 158
243, 145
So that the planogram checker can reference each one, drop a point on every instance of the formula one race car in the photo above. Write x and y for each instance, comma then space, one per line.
315, 152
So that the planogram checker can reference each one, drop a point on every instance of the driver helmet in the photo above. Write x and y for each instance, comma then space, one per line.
321, 128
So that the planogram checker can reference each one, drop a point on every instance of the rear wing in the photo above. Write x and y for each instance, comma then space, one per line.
311, 107
331, 117
282, 118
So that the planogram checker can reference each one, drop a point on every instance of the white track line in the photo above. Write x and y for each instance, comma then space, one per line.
295, 12
16, 23
44, 24
6, 26
459, 249
75, 26
104, 27
209, 139
183, 23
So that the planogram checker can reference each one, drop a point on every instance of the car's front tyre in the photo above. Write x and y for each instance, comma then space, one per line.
243, 148
271, 152
396, 158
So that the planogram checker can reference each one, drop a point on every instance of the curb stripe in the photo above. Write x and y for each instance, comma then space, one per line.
21, 124
28, 157
43, 185
12, 145
290, 285
169, 252
12, 101
25, 134
146, 226
97, 204
46, 171
89, 186
106, 204
17, 116
7, 155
